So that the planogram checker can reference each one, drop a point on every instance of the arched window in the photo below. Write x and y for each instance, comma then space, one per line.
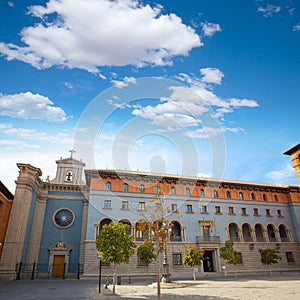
175, 235
202, 193
264, 197
228, 195
215, 194
125, 187
234, 232
108, 186
271, 233
173, 190
141, 231
259, 233
127, 222
283, 233
157, 189
102, 223
247, 233
142, 188
241, 195
275, 198
252, 196
188, 191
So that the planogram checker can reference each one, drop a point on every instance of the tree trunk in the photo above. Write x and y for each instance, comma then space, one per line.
270, 270
114, 279
194, 273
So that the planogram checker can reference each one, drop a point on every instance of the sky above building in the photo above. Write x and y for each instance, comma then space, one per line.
201, 88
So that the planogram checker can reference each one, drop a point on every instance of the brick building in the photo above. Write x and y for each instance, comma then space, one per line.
54, 223
6, 199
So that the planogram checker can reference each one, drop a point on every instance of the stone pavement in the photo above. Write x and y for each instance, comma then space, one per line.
273, 288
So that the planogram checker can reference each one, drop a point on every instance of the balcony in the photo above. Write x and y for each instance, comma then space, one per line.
208, 239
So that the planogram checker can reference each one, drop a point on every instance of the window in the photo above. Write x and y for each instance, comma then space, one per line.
177, 259
244, 211
157, 189
188, 191
279, 213
215, 194
125, 187
125, 205
140, 263
174, 207
108, 186
203, 209
142, 188
141, 205
107, 203
69, 176
255, 212
202, 193
189, 208
268, 212
264, 197
217, 209
252, 196
173, 190
275, 198
228, 195
290, 257
241, 195
231, 210
239, 258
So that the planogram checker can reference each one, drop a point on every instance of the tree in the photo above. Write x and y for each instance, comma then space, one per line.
115, 246
269, 257
230, 255
146, 254
193, 257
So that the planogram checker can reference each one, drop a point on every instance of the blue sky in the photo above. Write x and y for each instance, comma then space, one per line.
201, 88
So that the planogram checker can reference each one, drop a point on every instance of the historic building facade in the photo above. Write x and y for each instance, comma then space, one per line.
6, 198
54, 223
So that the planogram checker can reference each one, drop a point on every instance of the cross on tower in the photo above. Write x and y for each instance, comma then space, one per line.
72, 151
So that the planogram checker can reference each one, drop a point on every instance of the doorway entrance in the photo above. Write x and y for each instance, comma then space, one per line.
58, 266
208, 261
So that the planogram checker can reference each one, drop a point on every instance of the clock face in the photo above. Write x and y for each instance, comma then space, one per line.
63, 218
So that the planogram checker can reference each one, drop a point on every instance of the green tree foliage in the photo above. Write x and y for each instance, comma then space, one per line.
269, 257
115, 245
146, 253
229, 254
193, 257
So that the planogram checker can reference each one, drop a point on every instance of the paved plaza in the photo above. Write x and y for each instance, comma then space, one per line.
276, 287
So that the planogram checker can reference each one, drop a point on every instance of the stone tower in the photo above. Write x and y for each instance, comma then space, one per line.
294, 152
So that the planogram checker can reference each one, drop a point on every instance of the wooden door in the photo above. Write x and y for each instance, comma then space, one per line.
58, 266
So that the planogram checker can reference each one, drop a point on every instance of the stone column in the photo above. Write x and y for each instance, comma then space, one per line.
16, 231
37, 228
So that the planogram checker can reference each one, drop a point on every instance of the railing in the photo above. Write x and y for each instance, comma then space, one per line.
248, 239
175, 239
34, 270
235, 239
208, 239
260, 239
285, 239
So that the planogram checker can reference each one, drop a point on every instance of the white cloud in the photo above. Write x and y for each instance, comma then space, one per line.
209, 29
126, 81
296, 27
269, 10
34, 135
285, 173
211, 75
30, 106
96, 33
193, 105
10, 4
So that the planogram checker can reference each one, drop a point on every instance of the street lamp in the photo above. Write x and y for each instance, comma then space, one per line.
100, 274
166, 277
